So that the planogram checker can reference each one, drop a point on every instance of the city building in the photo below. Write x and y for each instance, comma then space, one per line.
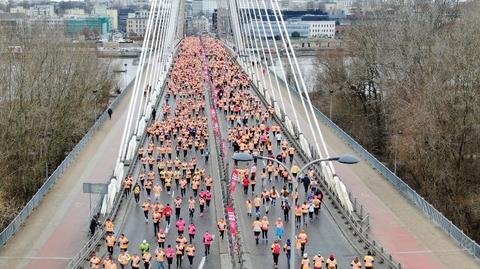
137, 23
96, 24
113, 14
75, 12
12, 22
47, 25
99, 10
320, 26
328, 7
20, 10
122, 18
322, 29
294, 29
344, 7
42, 11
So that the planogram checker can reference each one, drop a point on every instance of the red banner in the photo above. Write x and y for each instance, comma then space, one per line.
232, 219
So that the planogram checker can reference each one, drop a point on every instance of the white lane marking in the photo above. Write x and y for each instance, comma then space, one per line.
202, 263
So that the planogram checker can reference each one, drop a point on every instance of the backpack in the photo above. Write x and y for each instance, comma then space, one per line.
276, 249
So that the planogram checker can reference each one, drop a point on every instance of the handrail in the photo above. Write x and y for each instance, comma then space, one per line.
451, 229
37, 198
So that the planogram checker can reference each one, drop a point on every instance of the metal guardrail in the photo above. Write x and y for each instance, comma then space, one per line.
19, 220
234, 249
453, 231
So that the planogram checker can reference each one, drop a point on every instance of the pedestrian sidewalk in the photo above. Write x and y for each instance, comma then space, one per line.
60, 224
396, 223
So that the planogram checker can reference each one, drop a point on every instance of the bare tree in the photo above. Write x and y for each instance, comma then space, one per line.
51, 92
407, 87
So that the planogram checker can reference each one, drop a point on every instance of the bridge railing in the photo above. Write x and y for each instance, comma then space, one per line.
22, 216
451, 229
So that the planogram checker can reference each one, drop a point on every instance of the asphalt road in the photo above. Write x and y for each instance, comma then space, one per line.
324, 235
131, 221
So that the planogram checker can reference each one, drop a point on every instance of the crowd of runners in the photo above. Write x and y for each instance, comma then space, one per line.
267, 185
170, 163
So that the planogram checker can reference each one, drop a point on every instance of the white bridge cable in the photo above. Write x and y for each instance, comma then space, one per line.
151, 64
234, 24
257, 55
250, 67
159, 44
126, 129
308, 99
150, 45
267, 71
159, 59
252, 35
172, 30
282, 70
283, 32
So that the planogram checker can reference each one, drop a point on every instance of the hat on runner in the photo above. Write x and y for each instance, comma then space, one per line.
305, 255
331, 257
144, 241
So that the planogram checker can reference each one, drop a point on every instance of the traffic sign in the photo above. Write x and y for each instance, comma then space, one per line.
95, 188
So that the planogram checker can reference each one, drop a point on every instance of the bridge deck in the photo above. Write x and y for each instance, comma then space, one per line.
413, 239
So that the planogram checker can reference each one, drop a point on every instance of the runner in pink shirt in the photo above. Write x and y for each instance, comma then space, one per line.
207, 240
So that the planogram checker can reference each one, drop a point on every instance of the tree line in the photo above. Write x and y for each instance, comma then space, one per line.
51, 92
407, 87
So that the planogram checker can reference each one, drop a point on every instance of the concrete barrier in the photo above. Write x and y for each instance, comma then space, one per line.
132, 146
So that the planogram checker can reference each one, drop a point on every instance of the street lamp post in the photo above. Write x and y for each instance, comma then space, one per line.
246, 157
125, 77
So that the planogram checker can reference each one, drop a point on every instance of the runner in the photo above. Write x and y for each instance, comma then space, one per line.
265, 226
135, 261
257, 229
123, 242
110, 241
94, 261
368, 259
160, 257
190, 249
305, 263
302, 240
169, 253
123, 259
161, 237
279, 228
318, 261
207, 241
221, 225
192, 229
356, 264
287, 248
136, 192
275, 252
147, 259
331, 262
109, 263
